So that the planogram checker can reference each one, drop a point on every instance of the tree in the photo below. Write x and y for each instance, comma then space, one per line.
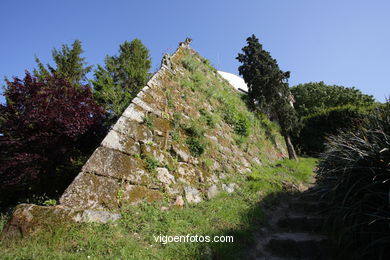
268, 87
314, 97
43, 122
69, 64
122, 77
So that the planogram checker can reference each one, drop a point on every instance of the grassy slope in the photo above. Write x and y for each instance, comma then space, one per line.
238, 214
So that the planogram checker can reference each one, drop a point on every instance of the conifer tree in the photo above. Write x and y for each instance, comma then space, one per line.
68, 64
268, 87
122, 77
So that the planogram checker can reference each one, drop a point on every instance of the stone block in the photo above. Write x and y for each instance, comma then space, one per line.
134, 130
118, 141
112, 163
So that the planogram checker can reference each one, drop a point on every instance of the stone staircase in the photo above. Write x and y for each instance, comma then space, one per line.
293, 231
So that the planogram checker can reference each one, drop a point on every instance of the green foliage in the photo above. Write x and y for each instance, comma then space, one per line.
122, 77
197, 145
176, 124
313, 97
170, 101
270, 178
175, 135
194, 82
196, 141
354, 176
50, 202
198, 78
237, 119
151, 163
262, 74
208, 118
240, 140
177, 119
318, 126
148, 121
190, 63
69, 64
194, 129
187, 83
268, 87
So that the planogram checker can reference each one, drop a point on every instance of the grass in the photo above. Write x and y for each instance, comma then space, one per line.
238, 214
272, 177
354, 182
190, 63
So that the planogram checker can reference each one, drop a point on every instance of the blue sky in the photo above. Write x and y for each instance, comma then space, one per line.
344, 42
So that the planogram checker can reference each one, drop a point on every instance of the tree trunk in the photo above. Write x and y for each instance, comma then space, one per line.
290, 148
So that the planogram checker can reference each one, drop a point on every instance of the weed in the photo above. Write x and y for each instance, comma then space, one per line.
175, 135
190, 63
170, 101
148, 121
50, 202
197, 145
207, 163
208, 118
238, 120
151, 163
189, 84
176, 121
195, 130
149, 142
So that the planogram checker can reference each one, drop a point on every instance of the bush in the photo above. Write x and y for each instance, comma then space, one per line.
354, 174
48, 126
318, 126
313, 97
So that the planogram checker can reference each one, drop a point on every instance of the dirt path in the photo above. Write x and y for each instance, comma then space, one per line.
293, 230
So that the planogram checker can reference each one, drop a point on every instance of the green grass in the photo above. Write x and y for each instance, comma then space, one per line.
271, 177
238, 214
190, 63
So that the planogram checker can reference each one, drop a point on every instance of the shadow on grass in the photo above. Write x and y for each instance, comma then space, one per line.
244, 238
244, 246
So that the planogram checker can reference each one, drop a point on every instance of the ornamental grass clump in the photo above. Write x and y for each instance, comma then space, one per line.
354, 178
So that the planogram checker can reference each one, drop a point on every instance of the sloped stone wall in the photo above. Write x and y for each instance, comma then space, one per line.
117, 171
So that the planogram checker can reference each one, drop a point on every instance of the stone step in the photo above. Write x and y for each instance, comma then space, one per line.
298, 245
308, 206
308, 197
300, 223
